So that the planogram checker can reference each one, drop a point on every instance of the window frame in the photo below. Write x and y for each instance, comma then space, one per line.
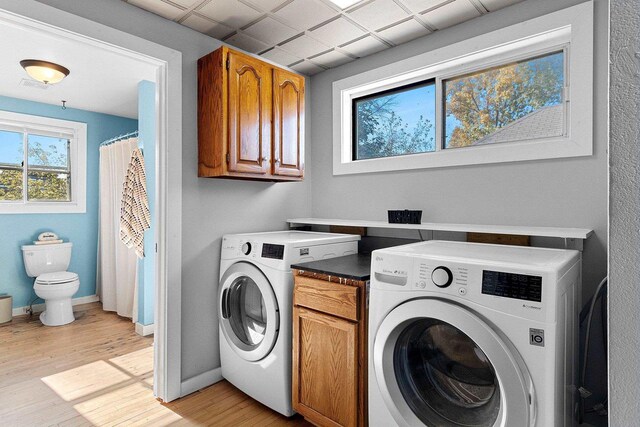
569, 30
76, 132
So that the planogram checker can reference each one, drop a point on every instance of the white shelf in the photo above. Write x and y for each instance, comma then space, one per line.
558, 232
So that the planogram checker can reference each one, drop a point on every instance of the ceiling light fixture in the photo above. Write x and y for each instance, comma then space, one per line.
343, 4
44, 71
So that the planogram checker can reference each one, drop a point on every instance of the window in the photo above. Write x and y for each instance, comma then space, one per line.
520, 93
42, 164
514, 102
395, 122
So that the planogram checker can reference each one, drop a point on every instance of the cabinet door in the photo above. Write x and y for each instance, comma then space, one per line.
325, 368
288, 123
249, 95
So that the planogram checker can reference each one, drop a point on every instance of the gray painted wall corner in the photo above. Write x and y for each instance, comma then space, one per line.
624, 214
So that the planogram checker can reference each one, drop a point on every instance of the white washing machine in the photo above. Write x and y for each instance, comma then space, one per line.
255, 306
465, 334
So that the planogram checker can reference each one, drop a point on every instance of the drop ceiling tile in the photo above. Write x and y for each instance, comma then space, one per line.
206, 26
159, 8
230, 12
280, 56
271, 31
365, 46
404, 32
492, 5
337, 32
451, 14
332, 59
186, 3
266, 5
304, 14
378, 14
307, 68
418, 6
304, 46
247, 43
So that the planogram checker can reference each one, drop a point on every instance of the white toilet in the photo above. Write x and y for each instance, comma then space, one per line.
54, 284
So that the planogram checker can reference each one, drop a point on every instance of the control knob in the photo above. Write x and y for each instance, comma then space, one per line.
246, 248
441, 277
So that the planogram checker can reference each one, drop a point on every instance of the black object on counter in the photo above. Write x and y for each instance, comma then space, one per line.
405, 217
356, 267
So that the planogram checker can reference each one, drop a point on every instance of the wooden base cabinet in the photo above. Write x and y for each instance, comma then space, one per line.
250, 119
330, 350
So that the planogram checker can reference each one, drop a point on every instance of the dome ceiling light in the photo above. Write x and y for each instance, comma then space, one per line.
44, 71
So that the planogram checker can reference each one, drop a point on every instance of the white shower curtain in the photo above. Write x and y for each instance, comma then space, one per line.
117, 281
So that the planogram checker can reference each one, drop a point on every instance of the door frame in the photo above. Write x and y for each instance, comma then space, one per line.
516, 387
168, 62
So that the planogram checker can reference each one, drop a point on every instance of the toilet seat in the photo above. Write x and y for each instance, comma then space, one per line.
57, 278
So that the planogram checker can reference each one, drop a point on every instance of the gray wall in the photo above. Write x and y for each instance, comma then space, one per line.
624, 215
562, 192
211, 207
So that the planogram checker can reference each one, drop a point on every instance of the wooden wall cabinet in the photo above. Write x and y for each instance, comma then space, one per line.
329, 380
250, 119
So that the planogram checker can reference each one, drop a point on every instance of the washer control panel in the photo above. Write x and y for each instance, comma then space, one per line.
432, 273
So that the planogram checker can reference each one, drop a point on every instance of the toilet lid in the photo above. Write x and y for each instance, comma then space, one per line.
56, 278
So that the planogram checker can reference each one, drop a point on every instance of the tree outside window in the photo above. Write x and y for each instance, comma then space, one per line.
395, 123
48, 174
514, 102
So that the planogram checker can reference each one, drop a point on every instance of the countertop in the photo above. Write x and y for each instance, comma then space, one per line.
355, 267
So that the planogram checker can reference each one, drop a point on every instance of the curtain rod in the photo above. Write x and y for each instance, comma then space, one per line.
119, 138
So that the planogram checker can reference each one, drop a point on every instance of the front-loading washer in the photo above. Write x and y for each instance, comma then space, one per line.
255, 307
466, 334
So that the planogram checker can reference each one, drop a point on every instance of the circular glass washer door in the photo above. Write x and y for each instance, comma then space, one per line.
438, 364
248, 311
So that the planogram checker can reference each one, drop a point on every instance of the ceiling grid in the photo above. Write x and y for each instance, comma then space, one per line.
311, 36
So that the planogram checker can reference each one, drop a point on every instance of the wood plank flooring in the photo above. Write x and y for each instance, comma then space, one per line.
98, 372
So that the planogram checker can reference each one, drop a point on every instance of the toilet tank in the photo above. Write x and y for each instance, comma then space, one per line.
40, 259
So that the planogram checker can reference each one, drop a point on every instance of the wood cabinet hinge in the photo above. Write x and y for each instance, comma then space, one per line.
228, 157
228, 64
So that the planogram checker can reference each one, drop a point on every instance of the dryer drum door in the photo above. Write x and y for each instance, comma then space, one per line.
248, 311
438, 364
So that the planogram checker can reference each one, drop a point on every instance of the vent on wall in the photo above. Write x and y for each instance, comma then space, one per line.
34, 84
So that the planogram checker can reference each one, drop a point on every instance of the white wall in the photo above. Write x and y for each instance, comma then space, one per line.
624, 215
211, 207
562, 192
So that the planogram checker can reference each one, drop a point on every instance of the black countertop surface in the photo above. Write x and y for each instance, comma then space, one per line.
356, 267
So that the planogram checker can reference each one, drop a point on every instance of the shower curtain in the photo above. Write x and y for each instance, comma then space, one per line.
117, 278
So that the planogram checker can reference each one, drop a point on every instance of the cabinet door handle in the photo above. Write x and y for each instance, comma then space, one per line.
277, 161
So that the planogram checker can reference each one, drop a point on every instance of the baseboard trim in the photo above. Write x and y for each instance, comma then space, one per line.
18, 311
145, 330
201, 381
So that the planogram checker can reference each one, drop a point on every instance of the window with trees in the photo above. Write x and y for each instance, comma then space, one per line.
508, 103
395, 122
520, 93
41, 164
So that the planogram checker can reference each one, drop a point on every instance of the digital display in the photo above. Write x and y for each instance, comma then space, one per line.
511, 285
272, 251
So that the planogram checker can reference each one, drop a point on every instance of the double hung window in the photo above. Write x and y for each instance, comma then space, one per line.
42, 164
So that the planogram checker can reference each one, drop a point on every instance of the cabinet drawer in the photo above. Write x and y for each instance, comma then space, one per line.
327, 297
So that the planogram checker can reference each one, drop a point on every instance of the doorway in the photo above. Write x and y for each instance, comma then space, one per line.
60, 26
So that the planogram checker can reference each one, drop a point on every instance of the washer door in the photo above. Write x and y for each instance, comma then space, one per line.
439, 364
248, 311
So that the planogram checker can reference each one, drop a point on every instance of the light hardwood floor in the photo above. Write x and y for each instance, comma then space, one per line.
98, 371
